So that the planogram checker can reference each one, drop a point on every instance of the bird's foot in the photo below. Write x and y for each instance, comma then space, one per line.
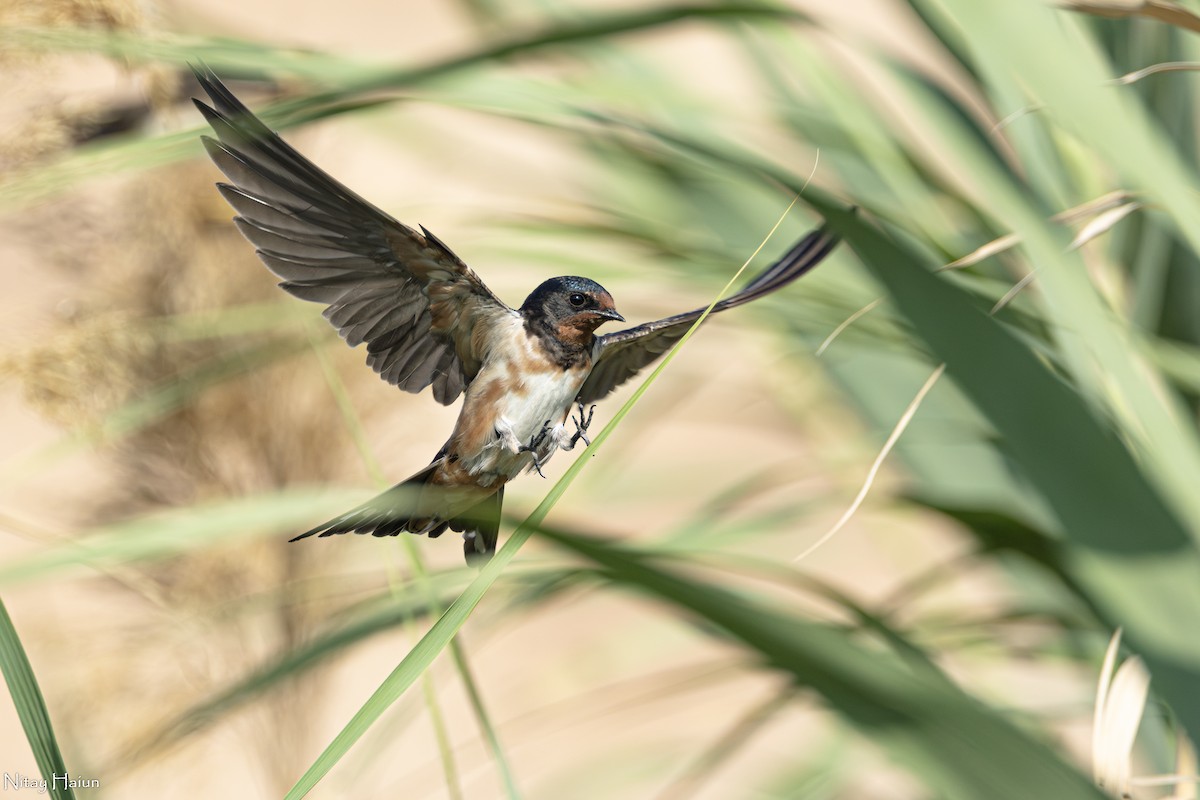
535, 444
582, 423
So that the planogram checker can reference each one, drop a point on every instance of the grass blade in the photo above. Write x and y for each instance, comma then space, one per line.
31, 708
424, 585
410, 669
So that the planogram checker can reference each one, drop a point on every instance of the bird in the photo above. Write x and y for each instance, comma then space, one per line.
531, 375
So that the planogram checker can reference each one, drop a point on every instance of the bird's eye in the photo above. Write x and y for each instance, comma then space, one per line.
577, 300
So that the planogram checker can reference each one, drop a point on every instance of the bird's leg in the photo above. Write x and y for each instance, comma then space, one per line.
506, 438
535, 443
582, 423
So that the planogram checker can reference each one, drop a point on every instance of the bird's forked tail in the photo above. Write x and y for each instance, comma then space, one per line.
418, 506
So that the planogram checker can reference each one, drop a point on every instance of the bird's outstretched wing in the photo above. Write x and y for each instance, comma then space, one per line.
402, 292
620, 355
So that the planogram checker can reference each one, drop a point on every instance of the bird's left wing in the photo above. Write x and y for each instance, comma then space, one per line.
419, 308
621, 355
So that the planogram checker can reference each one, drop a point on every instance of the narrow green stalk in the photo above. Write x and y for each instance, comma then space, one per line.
358, 435
425, 586
438, 721
415, 663
489, 732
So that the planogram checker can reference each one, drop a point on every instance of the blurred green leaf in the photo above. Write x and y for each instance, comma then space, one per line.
1051, 54
393, 613
998, 532
178, 531
236, 55
350, 84
1124, 545
917, 715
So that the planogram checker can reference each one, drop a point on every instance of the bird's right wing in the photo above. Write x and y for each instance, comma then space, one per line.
418, 307
621, 355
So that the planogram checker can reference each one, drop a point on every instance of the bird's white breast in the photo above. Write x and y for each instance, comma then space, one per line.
547, 398
521, 390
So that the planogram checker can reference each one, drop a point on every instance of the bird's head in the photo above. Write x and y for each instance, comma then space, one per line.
572, 307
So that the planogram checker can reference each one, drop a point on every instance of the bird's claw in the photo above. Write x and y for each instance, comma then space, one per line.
535, 443
582, 423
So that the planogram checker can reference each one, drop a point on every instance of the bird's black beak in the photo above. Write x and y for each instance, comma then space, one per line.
609, 313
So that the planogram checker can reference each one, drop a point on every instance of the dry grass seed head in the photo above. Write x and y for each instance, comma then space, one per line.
174, 251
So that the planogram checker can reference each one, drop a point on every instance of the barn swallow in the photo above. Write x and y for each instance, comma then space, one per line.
429, 321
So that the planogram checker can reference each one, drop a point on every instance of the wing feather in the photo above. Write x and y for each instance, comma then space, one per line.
402, 292
621, 355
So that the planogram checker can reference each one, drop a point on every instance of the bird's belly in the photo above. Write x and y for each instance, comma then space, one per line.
547, 398
519, 416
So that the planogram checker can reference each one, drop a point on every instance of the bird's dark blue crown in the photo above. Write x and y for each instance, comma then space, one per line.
565, 284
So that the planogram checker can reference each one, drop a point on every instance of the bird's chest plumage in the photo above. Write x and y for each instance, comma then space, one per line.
519, 389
